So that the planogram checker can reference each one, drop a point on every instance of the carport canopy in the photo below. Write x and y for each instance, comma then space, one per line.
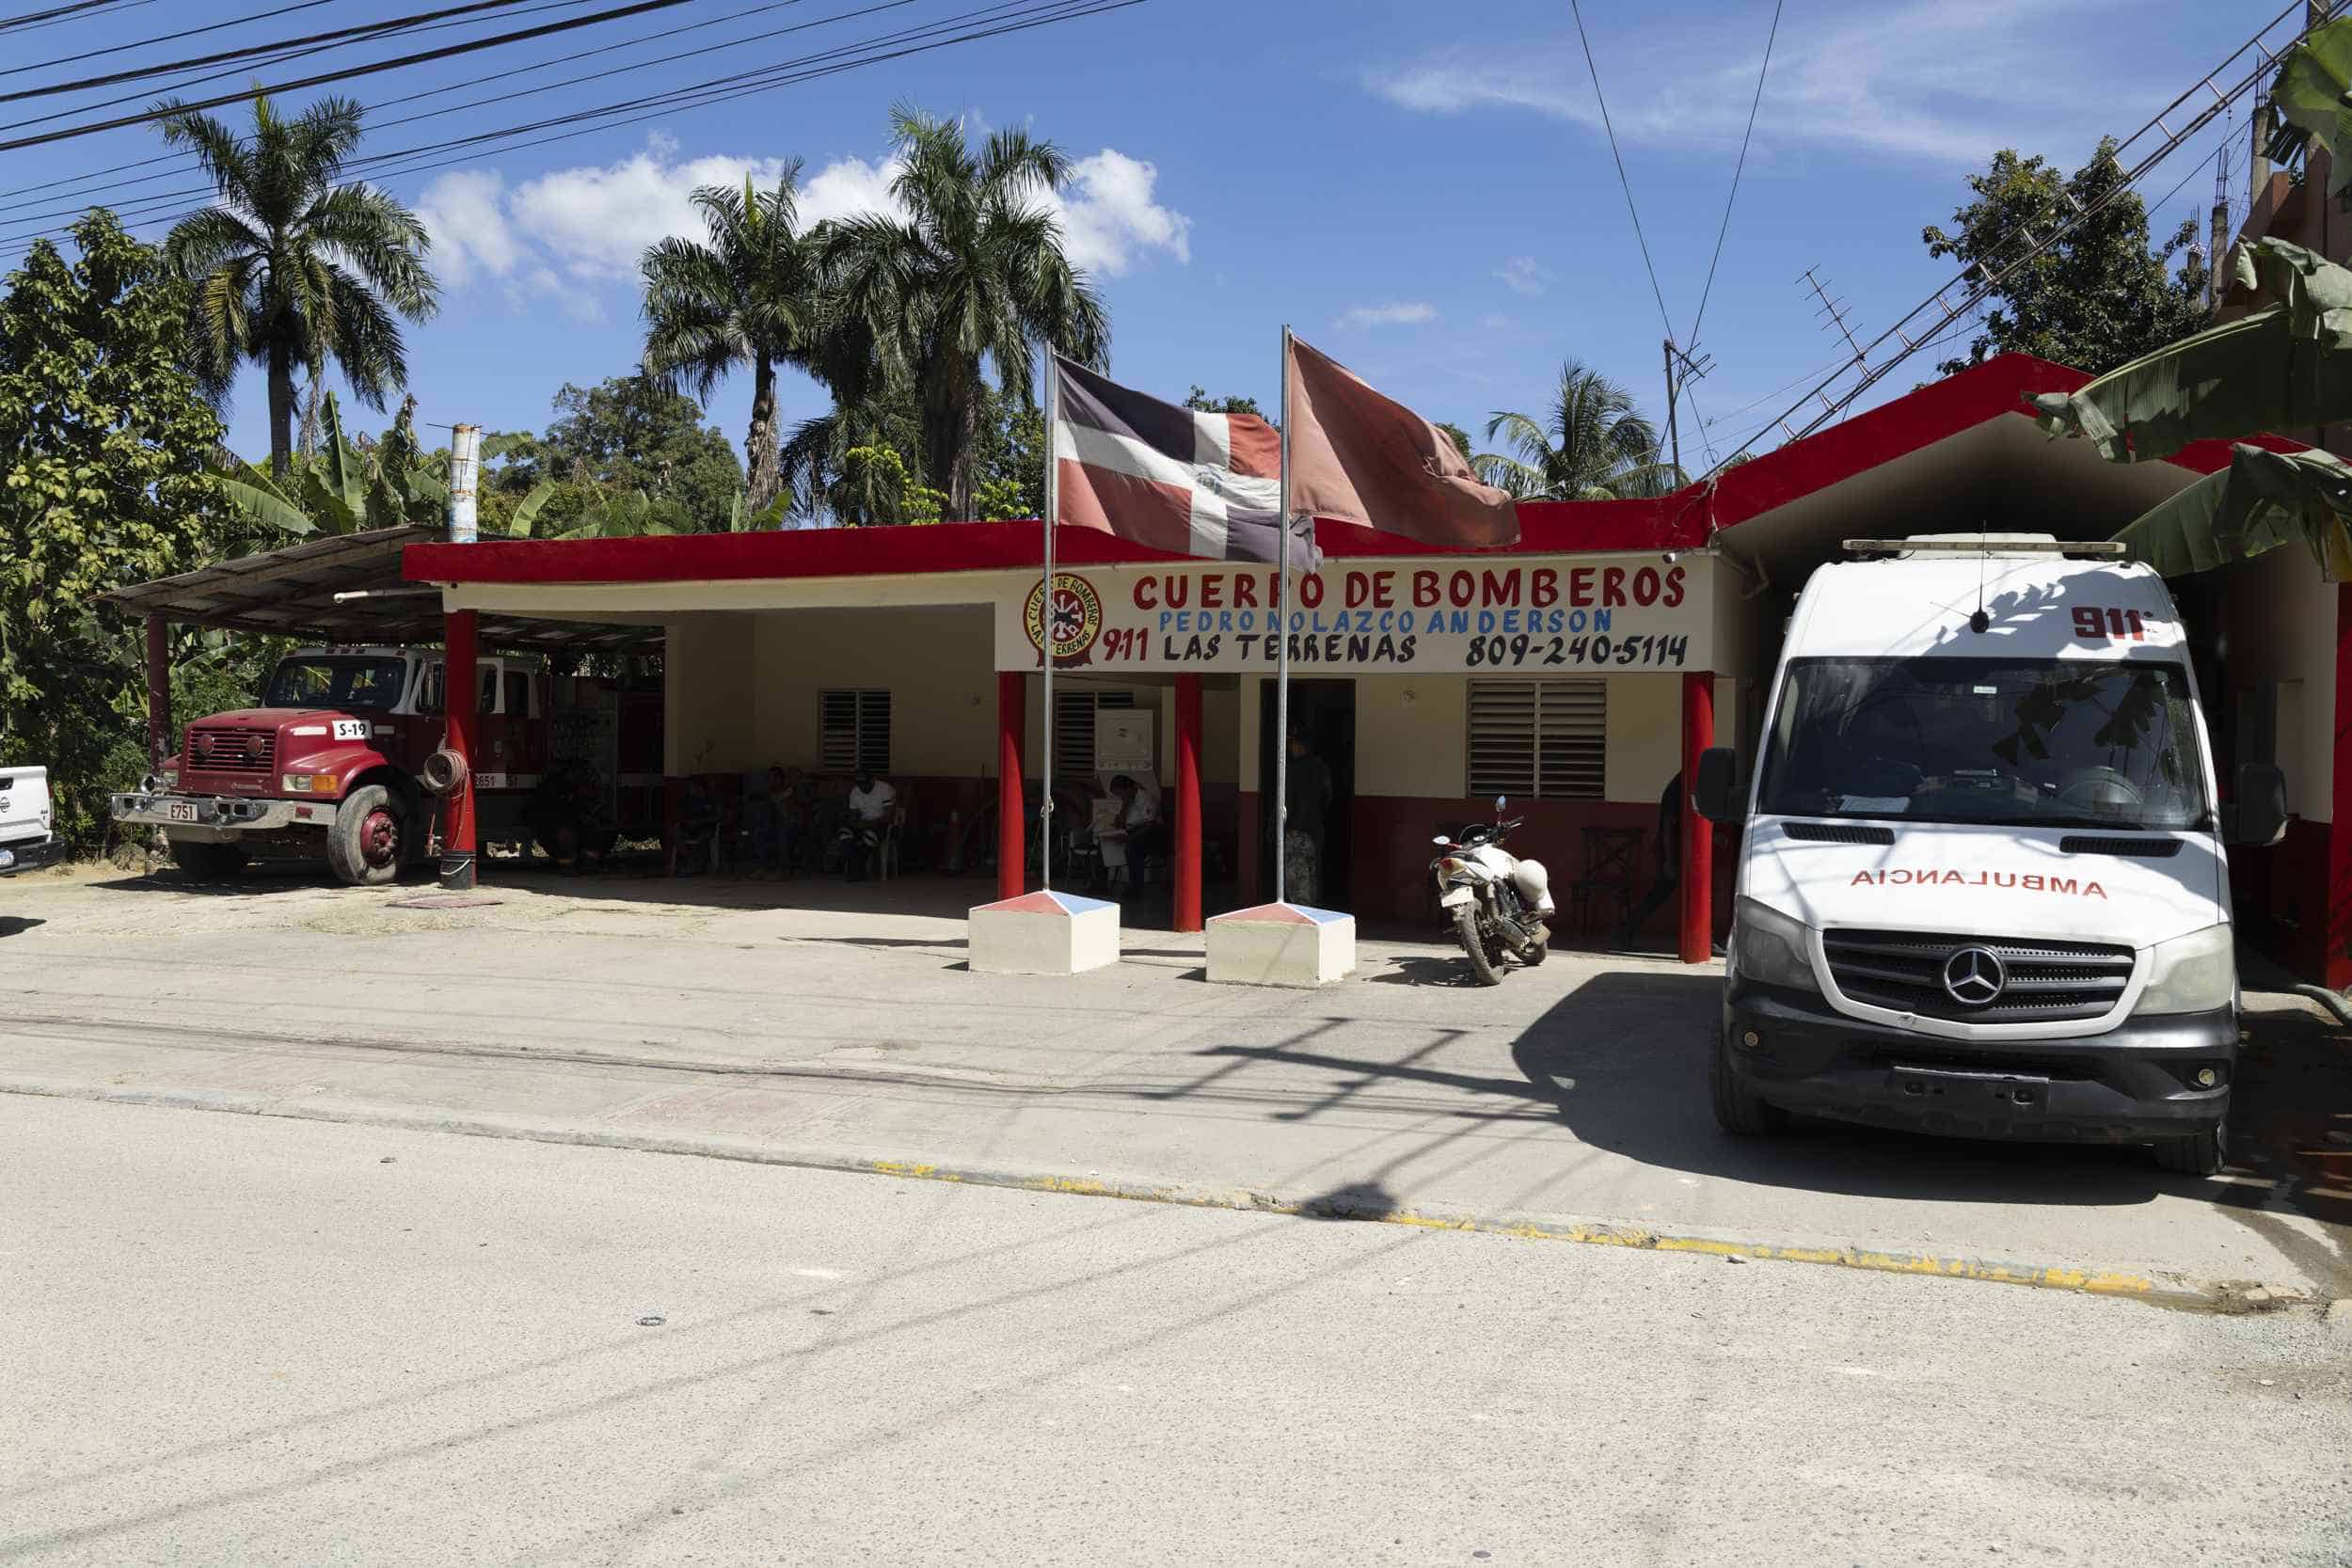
345, 589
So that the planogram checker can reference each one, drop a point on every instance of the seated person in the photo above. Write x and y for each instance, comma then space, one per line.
697, 827
565, 817
871, 802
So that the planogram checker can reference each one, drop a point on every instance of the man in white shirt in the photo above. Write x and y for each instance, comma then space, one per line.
871, 802
1137, 810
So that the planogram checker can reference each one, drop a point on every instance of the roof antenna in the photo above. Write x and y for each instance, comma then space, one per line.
1980, 621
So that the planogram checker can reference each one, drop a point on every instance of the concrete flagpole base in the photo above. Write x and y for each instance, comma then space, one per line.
1281, 944
1042, 934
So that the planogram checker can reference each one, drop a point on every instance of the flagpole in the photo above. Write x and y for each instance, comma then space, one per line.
1045, 620
1283, 647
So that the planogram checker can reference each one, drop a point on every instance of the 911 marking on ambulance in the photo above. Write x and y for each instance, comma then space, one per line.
2095, 624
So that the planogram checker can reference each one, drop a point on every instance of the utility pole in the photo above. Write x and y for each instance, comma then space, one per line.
2220, 247
1674, 435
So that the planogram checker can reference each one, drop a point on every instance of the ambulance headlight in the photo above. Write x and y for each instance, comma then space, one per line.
2195, 974
1770, 949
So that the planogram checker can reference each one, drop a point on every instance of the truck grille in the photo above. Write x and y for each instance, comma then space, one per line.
2045, 982
226, 749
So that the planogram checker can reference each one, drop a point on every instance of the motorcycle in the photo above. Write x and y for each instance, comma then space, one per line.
1496, 902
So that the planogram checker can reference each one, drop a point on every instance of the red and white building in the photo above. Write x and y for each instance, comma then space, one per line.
1574, 671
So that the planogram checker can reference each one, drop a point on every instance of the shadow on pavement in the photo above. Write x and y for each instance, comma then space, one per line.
12, 924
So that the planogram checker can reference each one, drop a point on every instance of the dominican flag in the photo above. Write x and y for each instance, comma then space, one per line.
1176, 479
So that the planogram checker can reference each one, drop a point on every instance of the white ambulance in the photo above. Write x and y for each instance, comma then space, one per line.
1982, 889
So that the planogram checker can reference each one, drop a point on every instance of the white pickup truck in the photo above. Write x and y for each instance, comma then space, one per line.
25, 839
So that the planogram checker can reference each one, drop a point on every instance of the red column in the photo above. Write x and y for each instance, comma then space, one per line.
1698, 835
1187, 802
159, 744
461, 687
1012, 807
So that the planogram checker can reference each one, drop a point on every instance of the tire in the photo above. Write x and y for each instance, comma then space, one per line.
364, 844
1740, 1112
1474, 945
207, 863
2199, 1154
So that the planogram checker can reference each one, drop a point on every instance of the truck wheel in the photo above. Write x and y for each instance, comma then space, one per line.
2201, 1154
363, 847
207, 862
1740, 1112
1466, 928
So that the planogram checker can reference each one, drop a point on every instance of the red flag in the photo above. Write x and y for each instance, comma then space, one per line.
1359, 456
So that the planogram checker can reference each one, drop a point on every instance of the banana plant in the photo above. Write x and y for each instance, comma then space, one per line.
348, 486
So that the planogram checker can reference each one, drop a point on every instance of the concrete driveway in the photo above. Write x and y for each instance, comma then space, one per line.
735, 1018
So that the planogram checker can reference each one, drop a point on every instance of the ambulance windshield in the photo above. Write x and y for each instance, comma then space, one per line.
2040, 743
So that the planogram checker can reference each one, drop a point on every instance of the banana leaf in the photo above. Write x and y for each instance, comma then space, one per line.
326, 507
2287, 365
250, 492
2309, 93
2262, 501
347, 470
528, 513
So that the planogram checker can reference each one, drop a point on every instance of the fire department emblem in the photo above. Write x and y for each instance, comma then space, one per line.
1077, 616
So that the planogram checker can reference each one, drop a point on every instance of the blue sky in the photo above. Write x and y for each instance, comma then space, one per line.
1424, 193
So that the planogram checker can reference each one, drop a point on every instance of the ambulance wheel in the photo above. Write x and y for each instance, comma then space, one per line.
1741, 1112
363, 847
2201, 1154
207, 862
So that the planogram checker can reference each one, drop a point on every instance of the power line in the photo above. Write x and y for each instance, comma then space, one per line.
31, 26
784, 74
472, 46
10, 24
1739, 168
1990, 280
363, 30
168, 38
1623, 182
150, 203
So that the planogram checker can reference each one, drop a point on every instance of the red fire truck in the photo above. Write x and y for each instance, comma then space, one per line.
338, 762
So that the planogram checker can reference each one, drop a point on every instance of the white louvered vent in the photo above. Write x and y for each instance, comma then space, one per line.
1538, 740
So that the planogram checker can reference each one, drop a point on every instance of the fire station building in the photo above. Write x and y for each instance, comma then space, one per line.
1575, 672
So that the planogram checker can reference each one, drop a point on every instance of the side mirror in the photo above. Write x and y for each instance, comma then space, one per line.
1717, 793
1442, 841
2259, 814
1501, 801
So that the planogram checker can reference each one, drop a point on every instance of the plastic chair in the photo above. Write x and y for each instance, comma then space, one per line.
886, 852
1611, 855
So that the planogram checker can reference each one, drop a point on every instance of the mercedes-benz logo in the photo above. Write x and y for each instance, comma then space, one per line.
1974, 978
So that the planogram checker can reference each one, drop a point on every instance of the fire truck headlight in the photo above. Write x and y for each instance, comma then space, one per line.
308, 784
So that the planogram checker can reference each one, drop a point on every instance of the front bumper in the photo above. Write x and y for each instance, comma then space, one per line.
30, 855
218, 818
2129, 1085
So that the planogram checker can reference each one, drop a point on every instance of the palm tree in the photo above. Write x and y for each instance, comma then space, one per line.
292, 270
748, 298
974, 275
1594, 445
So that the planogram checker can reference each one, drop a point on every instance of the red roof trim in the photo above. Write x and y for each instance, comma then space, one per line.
1996, 389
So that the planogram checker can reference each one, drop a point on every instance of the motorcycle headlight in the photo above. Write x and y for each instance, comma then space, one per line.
1770, 949
2195, 974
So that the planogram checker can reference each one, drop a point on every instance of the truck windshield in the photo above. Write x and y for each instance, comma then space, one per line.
337, 680
2034, 743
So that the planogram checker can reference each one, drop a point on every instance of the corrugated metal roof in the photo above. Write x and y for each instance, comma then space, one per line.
291, 591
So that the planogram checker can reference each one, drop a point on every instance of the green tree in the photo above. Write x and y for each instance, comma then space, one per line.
1591, 445
290, 269
105, 444
1460, 437
627, 434
2100, 295
1200, 401
749, 296
973, 277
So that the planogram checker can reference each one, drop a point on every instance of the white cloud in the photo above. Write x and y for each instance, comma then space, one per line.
1943, 81
1497, 322
464, 215
567, 235
1401, 313
1111, 218
1524, 274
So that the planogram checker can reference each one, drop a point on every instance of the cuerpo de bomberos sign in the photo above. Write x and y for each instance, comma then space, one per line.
1584, 614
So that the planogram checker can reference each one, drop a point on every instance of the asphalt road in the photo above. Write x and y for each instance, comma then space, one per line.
249, 1341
